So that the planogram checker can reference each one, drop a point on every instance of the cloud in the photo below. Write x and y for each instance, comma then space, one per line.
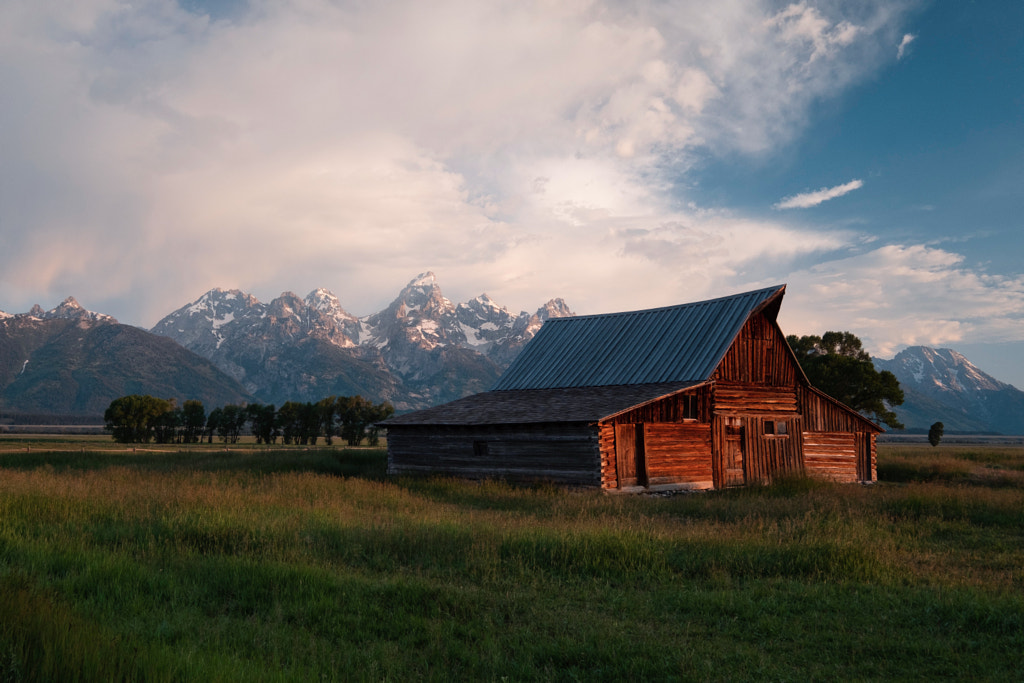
908, 38
901, 295
809, 199
154, 152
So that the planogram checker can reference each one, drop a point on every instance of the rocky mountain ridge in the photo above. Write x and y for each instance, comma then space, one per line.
71, 361
941, 385
69, 309
422, 349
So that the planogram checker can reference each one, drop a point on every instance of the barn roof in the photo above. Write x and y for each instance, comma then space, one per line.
683, 343
523, 406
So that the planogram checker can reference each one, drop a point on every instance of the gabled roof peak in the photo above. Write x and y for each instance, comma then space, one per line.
681, 343
643, 311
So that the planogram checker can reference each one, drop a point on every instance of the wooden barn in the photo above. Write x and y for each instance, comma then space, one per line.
697, 396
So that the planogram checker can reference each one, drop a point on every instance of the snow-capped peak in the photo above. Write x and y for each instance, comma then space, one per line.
940, 370
69, 309
406, 336
555, 308
427, 280
217, 302
943, 385
322, 300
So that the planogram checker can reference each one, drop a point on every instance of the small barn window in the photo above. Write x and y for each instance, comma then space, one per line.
769, 426
688, 407
775, 428
480, 448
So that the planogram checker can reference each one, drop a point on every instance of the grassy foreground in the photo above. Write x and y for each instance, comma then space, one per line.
305, 565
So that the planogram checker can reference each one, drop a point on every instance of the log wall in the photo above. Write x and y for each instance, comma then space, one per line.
831, 455
678, 454
744, 399
823, 416
561, 453
606, 445
681, 425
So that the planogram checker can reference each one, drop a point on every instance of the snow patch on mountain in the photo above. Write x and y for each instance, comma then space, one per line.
941, 385
436, 349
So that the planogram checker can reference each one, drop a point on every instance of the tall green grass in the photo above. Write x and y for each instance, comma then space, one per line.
312, 565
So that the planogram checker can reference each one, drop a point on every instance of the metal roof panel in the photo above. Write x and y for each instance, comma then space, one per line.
683, 343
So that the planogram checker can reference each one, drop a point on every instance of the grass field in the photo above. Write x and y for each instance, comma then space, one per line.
310, 564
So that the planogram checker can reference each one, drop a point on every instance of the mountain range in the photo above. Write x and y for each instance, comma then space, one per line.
75, 362
419, 351
941, 385
229, 347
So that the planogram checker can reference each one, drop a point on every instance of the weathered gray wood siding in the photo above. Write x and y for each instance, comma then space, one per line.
557, 452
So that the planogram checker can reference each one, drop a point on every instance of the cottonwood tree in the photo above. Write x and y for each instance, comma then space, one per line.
213, 423
229, 425
837, 364
133, 419
167, 425
935, 433
358, 418
328, 426
262, 422
379, 413
296, 421
193, 421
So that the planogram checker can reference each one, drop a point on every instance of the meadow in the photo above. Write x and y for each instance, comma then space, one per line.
308, 564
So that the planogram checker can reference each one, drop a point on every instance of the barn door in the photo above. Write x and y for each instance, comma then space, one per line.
629, 455
733, 453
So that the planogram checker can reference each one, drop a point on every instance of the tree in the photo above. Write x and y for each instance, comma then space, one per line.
167, 424
213, 423
935, 433
262, 422
327, 408
353, 412
132, 419
310, 421
229, 425
379, 413
837, 364
193, 421
289, 421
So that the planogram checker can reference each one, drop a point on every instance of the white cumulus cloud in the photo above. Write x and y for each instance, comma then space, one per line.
904, 295
529, 148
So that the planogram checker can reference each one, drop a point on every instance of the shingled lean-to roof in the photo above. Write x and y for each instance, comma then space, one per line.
526, 406
589, 368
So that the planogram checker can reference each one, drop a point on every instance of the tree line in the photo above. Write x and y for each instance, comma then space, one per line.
142, 418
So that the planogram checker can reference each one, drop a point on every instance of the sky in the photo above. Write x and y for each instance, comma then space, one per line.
620, 155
